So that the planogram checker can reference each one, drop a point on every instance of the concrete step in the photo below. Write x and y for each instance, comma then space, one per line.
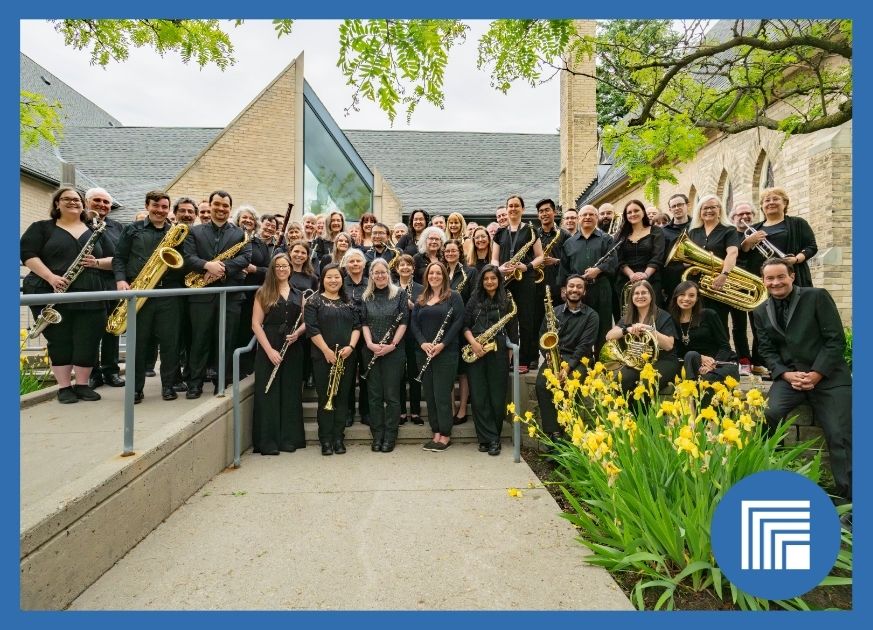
409, 433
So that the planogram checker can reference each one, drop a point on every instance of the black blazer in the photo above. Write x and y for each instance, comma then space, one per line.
201, 246
812, 341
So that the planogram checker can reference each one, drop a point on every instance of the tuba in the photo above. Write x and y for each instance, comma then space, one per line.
486, 338
164, 257
632, 350
333, 379
743, 290
549, 340
197, 280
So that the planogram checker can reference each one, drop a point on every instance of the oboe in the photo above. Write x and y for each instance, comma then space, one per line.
435, 341
388, 334
287, 344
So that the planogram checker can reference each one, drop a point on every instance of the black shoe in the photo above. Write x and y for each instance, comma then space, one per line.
365, 419
387, 447
168, 393
114, 380
376, 446
151, 373
310, 383
416, 419
403, 419
483, 447
95, 381
326, 448
193, 392
66, 396
269, 452
494, 448
339, 447
459, 419
137, 397
350, 421
288, 449
83, 392
180, 387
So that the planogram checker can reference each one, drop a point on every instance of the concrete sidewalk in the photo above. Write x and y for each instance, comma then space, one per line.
407, 530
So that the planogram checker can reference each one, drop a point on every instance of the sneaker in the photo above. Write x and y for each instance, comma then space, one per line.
430, 445
745, 369
439, 447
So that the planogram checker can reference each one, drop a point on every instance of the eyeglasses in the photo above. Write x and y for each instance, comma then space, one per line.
70, 200
711, 208
677, 205
376, 274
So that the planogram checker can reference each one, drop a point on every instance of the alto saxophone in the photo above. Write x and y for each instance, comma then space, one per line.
333, 379
197, 280
49, 315
549, 340
486, 338
518, 274
164, 257
541, 275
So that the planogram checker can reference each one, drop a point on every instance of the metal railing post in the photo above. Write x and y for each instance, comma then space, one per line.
222, 325
237, 413
130, 377
516, 399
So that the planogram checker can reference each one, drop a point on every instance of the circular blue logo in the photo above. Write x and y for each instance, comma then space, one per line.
775, 534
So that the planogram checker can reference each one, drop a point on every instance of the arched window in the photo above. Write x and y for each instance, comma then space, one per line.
764, 177
725, 191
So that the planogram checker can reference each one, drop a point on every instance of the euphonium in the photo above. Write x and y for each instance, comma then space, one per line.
164, 257
518, 274
742, 289
486, 338
637, 351
197, 280
549, 340
333, 379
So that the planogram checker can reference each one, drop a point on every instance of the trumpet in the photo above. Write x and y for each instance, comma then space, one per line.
333, 379
287, 344
765, 247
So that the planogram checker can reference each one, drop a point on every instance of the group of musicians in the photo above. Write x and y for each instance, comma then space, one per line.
394, 317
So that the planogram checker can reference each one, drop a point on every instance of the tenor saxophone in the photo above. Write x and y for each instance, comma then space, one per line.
197, 280
164, 257
486, 338
333, 379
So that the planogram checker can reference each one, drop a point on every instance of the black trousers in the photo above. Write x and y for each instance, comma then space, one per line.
204, 336
363, 400
693, 361
548, 413
184, 345
599, 297
740, 333
437, 382
332, 424
525, 296
383, 384
832, 411
277, 424
157, 321
74, 340
108, 360
488, 378
412, 368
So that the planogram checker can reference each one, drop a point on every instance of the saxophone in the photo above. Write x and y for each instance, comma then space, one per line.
549, 339
486, 338
164, 257
392, 264
463, 281
49, 315
541, 275
333, 379
197, 280
518, 274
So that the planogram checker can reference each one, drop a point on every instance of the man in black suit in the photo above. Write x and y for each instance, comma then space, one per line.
802, 341
204, 243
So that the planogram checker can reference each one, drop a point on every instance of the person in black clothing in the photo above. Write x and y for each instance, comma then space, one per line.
430, 247
712, 232
477, 249
577, 333
742, 213
379, 249
547, 233
342, 243
438, 309
157, 321
303, 278
802, 342
100, 201
48, 248
333, 324
353, 267
185, 212
413, 290
605, 217
644, 315
384, 309
418, 221
256, 271
702, 346
671, 276
277, 423
461, 279
508, 242
591, 253
641, 254
203, 245
488, 374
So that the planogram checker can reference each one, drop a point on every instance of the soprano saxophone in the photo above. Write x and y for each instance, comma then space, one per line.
197, 280
541, 275
486, 338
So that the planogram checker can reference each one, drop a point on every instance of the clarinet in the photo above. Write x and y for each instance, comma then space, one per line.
435, 341
287, 344
388, 334
604, 257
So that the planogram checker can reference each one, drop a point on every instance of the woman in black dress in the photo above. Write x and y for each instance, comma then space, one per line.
418, 221
461, 279
384, 315
488, 374
303, 278
262, 251
438, 312
48, 248
641, 254
333, 324
508, 241
278, 413
642, 314
413, 290
702, 346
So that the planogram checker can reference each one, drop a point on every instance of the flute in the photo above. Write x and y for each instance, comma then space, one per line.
307, 293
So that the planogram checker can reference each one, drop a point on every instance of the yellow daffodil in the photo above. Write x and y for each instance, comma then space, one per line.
532, 430
511, 408
514, 492
730, 382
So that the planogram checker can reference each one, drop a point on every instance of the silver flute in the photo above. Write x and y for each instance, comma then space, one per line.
307, 293
435, 341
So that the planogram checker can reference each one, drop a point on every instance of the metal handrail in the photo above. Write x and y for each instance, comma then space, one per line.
237, 413
516, 399
131, 296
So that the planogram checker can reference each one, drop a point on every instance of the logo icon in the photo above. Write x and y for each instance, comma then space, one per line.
775, 534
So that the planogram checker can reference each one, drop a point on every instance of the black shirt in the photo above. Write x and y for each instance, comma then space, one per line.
546, 239
303, 281
718, 240
205, 242
420, 263
334, 320
484, 312
280, 318
262, 253
639, 255
427, 320
354, 290
709, 337
380, 312
136, 245
511, 243
579, 253
458, 275
665, 325
577, 333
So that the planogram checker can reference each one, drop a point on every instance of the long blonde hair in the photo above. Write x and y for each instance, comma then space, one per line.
463, 221
370, 291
